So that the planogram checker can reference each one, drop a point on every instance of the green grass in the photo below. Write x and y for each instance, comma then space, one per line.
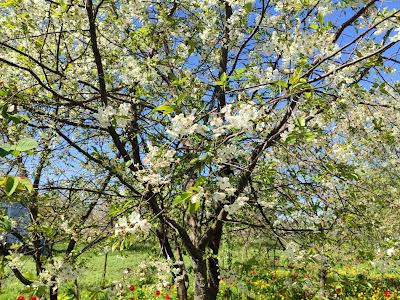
91, 275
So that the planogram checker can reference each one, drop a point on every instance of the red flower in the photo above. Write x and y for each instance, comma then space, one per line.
386, 294
34, 297
338, 290
20, 297
296, 275
158, 293
132, 298
132, 288
167, 296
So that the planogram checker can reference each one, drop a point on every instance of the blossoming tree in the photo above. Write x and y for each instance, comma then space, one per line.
182, 102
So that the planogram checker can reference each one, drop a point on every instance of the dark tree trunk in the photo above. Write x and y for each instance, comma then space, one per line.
201, 291
205, 287
206, 271
183, 281
213, 263
213, 270
53, 293
181, 290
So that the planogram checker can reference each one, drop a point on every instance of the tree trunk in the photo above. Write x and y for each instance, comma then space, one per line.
206, 283
53, 293
181, 290
213, 272
183, 281
323, 273
213, 263
201, 291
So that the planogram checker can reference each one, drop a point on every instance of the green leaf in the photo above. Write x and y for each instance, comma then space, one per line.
182, 198
129, 163
307, 95
3, 152
292, 138
314, 26
321, 19
7, 147
248, 7
222, 80
11, 185
64, 5
26, 144
200, 181
8, 3
296, 78
300, 122
165, 109
25, 183
194, 207
239, 72
223, 77
17, 118
281, 83
309, 136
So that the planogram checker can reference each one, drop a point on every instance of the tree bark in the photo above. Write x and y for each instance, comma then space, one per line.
206, 276
53, 293
323, 274
201, 291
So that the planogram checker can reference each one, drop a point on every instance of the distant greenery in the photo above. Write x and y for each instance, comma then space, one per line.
257, 277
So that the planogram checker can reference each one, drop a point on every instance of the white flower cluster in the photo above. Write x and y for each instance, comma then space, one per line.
229, 152
55, 273
225, 188
182, 125
224, 184
156, 160
162, 270
243, 119
131, 225
106, 114
14, 260
237, 205
198, 195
